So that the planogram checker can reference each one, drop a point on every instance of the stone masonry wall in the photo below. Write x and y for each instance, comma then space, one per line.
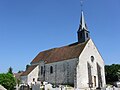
63, 72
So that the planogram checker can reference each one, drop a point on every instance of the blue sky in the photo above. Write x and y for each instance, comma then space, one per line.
30, 26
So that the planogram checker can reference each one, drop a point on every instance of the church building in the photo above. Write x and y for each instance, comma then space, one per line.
79, 64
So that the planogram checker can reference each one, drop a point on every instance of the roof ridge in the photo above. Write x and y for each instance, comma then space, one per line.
30, 68
61, 53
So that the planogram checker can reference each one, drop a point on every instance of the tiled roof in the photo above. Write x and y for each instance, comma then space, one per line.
30, 68
17, 75
59, 54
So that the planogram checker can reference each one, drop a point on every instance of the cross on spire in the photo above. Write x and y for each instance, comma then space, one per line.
81, 3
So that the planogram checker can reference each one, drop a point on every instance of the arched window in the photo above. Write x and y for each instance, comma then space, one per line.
87, 35
92, 58
33, 79
51, 69
89, 75
81, 35
41, 70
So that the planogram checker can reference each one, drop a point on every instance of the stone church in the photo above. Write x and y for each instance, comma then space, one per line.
78, 64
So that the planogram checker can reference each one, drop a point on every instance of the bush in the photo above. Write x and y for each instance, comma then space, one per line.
8, 81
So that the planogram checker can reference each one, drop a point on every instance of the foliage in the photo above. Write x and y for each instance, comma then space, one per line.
8, 81
20, 71
118, 73
112, 72
27, 66
10, 70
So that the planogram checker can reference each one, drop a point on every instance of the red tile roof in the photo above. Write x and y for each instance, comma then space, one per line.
17, 75
59, 54
30, 68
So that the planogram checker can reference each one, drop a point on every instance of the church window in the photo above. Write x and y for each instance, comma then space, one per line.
87, 35
51, 69
89, 75
33, 79
38, 79
95, 80
81, 35
92, 58
99, 75
41, 70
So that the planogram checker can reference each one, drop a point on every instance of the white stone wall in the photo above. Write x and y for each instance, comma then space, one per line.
23, 79
2, 88
82, 69
33, 74
63, 72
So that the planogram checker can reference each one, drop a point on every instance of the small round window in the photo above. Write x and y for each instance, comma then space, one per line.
92, 58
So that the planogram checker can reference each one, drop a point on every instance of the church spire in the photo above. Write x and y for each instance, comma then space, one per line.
82, 22
83, 33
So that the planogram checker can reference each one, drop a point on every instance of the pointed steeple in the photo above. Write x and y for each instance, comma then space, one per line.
83, 33
82, 22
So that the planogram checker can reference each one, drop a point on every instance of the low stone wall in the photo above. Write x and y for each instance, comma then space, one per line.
114, 88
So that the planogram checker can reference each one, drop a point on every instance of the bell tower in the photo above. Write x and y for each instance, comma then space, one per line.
83, 33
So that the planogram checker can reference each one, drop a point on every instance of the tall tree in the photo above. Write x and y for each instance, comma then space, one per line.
10, 70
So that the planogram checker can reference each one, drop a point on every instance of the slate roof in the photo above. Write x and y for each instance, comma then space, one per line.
30, 68
59, 54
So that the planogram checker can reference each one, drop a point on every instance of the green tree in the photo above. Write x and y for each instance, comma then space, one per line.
118, 73
8, 81
10, 70
27, 66
111, 72
20, 71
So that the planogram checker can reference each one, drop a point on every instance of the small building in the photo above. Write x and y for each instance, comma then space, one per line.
30, 76
18, 75
79, 64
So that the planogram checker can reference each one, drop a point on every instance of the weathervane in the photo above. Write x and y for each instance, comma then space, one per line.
81, 3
